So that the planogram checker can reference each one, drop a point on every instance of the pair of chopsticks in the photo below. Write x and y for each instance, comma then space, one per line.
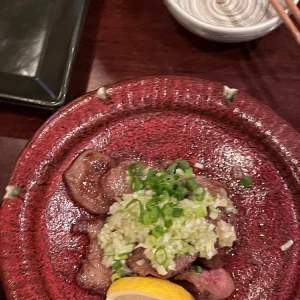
285, 17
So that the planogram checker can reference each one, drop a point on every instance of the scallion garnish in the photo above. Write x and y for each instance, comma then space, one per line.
167, 210
131, 202
152, 203
141, 208
198, 269
160, 255
172, 168
123, 256
192, 184
201, 196
135, 169
115, 277
157, 231
164, 197
182, 164
177, 212
168, 223
247, 181
136, 184
150, 176
188, 173
150, 216
180, 191
117, 265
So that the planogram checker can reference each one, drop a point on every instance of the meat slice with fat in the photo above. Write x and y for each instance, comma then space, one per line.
83, 179
208, 285
218, 260
138, 263
93, 275
114, 182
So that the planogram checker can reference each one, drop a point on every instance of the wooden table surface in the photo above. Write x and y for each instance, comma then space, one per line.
124, 39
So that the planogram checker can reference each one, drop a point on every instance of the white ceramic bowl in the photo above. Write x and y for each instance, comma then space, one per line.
229, 21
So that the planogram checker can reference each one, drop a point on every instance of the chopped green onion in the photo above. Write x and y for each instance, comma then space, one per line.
247, 181
135, 169
153, 182
115, 277
167, 209
172, 168
154, 213
180, 192
192, 184
152, 203
199, 269
133, 201
182, 164
136, 185
167, 186
168, 223
177, 212
161, 260
141, 208
170, 178
157, 231
151, 216
160, 214
150, 175
164, 197
146, 219
188, 173
201, 196
123, 256
117, 265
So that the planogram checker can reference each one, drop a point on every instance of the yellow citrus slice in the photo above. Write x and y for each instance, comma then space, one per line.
145, 288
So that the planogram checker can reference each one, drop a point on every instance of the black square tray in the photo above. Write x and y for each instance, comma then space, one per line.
38, 42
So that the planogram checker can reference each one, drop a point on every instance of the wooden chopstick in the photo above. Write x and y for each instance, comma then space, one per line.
294, 9
286, 19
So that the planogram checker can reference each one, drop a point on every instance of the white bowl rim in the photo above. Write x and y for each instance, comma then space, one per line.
244, 29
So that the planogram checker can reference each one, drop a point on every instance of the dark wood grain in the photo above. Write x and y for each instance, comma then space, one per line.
124, 39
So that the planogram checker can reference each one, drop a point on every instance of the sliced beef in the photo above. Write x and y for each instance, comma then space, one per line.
208, 285
91, 227
93, 276
94, 180
217, 261
84, 177
114, 182
138, 263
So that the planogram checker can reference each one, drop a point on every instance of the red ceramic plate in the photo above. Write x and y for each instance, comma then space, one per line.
157, 117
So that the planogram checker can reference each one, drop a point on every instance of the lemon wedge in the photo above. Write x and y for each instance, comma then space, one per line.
145, 288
